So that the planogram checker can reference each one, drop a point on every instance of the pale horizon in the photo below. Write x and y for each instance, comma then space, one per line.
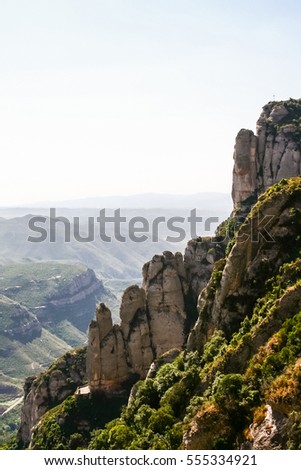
155, 195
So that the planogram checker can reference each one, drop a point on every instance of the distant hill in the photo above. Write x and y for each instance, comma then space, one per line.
111, 260
45, 309
206, 200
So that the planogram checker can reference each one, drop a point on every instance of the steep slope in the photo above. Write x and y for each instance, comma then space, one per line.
267, 239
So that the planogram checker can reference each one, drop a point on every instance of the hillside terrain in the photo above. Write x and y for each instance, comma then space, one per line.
207, 351
45, 309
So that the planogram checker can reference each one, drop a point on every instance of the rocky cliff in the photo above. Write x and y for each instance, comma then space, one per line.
263, 159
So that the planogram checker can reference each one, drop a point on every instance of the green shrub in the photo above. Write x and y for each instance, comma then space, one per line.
214, 347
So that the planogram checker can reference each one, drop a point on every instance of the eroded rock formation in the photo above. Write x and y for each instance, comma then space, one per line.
199, 260
274, 153
153, 321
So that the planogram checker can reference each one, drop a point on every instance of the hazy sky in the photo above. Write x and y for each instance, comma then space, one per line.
102, 97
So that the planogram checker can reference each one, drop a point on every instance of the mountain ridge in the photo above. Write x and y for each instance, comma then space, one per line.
135, 201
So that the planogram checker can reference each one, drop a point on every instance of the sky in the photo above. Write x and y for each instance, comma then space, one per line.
110, 97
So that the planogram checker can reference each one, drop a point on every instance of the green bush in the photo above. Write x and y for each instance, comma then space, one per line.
214, 347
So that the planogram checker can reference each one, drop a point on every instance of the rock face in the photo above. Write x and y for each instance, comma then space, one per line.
269, 435
51, 388
245, 166
274, 153
153, 321
199, 260
164, 281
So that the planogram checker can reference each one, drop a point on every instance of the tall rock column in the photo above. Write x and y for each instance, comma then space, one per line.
136, 331
164, 281
106, 356
244, 183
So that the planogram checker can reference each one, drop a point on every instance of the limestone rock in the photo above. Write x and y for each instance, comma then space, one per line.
166, 358
199, 260
244, 171
165, 287
74, 301
106, 357
139, 345
104, 320
114, 370
274, 153
278, 113
133, 299
153, 321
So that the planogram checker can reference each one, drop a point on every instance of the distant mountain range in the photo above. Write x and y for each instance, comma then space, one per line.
110, 260
206, 200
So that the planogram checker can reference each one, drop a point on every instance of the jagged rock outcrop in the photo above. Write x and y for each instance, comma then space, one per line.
274, 153
50, 388
153, 321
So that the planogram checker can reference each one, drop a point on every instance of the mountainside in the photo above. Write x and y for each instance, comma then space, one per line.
213, 337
